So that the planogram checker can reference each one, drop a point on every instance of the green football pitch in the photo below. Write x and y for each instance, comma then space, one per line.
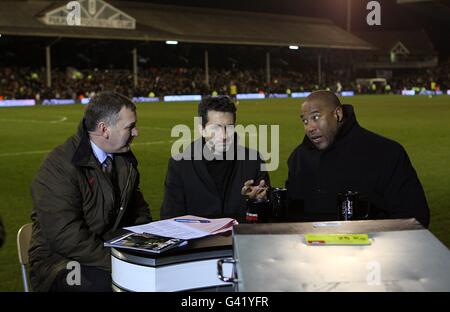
420, 124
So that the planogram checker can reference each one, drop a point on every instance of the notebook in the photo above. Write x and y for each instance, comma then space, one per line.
145, 242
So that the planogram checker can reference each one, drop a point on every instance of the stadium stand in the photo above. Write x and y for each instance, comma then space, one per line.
414, 65
26, 83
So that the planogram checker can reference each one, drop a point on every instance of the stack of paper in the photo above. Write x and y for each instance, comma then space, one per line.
185, 227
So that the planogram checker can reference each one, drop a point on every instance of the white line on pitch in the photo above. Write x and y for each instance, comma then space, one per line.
64, 119
61, 119
48, 151
24, 153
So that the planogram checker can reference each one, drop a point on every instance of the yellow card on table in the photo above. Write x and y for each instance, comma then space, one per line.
337, 239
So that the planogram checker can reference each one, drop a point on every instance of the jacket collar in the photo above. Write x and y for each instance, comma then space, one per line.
84, 156
100, 154
350, 123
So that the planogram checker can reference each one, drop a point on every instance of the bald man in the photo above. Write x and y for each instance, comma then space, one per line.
338, 155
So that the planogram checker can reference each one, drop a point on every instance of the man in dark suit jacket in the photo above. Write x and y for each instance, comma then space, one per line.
206, 179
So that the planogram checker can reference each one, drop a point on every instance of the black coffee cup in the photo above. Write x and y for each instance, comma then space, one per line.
278, 199
352, 206
257, 210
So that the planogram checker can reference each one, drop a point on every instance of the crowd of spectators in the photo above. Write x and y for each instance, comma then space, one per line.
72, 83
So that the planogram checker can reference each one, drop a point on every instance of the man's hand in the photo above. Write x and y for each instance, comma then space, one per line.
255, 192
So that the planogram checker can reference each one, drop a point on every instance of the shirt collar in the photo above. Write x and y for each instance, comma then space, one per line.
100, 154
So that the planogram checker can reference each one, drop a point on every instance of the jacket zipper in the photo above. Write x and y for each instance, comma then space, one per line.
122, 199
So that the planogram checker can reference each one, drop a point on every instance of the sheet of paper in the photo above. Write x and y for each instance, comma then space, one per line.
214, 225
185, 230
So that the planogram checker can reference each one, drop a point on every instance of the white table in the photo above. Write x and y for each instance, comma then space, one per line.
403, 256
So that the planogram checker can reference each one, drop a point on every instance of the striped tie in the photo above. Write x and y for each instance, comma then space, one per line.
107, 167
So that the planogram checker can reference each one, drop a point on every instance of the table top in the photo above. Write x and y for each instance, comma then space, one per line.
321, 227
403, 256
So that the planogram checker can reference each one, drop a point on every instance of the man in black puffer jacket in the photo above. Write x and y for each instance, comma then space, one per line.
338, 155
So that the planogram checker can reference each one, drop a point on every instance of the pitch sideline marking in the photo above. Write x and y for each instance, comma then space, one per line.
48, 151
64, 119
61, 119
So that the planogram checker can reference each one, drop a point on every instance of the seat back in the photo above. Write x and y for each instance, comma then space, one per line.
23, 243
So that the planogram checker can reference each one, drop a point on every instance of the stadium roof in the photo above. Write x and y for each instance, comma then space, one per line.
417, 42
161, 22
436, 9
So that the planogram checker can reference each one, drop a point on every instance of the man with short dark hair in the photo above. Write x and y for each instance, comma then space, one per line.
209, 185
85, 190
336, 156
